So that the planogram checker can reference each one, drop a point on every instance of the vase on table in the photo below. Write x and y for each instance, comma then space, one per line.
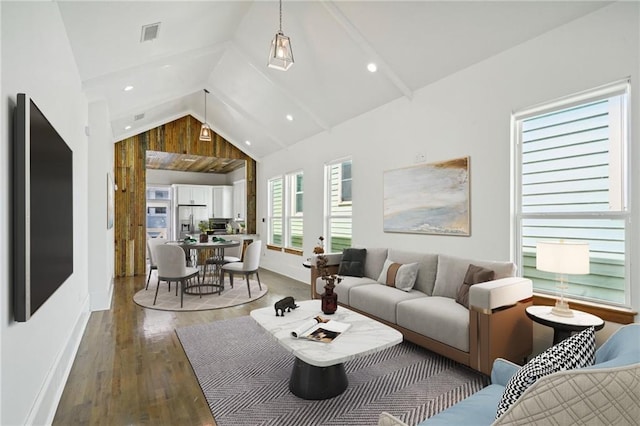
329, 298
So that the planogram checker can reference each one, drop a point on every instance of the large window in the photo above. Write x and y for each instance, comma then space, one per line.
294, 218
571, 184
286, 212
275, 212
338, 206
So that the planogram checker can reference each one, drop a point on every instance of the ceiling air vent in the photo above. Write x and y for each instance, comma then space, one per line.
138, 117
150, 32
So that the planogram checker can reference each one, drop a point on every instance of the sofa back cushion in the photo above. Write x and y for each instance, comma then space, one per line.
375, 262
427, 267
452, 270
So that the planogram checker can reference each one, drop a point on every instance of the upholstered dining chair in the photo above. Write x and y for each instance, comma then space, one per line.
172, 266
248, 266
152, 243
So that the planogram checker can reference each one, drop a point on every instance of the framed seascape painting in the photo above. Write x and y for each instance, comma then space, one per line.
428, 198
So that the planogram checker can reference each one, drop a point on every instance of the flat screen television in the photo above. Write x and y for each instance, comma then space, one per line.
42, 213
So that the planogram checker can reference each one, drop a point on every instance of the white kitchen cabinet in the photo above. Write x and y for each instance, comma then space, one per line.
193, 194
222, 201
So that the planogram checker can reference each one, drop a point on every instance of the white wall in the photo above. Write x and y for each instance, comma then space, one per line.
168, 177
464, 114
37, 355
101, 247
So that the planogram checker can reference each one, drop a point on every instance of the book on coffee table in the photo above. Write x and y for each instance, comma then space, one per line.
320, 330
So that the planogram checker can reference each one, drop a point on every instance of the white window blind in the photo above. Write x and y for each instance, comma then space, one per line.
571, 183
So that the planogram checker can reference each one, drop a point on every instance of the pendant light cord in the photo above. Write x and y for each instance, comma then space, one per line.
205, 105
280, 15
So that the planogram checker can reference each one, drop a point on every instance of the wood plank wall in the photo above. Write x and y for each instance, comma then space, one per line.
179, 136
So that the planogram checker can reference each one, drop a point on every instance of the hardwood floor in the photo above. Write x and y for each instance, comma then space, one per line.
130, 368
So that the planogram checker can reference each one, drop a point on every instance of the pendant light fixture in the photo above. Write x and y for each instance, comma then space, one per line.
205, 130
280, 54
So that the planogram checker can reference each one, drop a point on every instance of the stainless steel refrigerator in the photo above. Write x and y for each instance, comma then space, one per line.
188, 217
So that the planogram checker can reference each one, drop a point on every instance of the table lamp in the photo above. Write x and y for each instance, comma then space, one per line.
562, 257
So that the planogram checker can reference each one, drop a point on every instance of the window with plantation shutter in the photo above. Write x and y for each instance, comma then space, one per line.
571, 184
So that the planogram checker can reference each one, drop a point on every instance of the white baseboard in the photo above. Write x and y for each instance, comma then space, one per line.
44, 408
101, 300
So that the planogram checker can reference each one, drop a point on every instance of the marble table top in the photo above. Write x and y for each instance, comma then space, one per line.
365, 336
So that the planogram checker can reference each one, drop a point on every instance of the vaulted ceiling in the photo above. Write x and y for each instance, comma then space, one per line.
223, 46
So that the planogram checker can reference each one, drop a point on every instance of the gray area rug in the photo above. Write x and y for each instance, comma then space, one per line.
169, 301
244, 374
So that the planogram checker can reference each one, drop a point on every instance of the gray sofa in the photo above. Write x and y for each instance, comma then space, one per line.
494, 326
605, 393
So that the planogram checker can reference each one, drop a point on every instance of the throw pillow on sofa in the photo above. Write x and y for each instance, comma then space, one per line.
397, 275
577, 351
352, 263
475, 275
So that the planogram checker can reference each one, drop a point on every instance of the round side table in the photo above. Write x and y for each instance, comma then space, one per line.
563, 326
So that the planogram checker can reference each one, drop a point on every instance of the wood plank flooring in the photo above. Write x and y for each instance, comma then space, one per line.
130, 368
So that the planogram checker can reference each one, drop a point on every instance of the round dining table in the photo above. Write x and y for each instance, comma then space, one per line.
196, 252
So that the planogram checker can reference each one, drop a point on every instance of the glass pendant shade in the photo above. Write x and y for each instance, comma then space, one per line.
205, 130
205, 133
280, 54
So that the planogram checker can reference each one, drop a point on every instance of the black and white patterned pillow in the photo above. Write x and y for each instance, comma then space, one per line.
576, 351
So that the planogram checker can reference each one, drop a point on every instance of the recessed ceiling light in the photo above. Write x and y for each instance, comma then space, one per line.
127, 127
247, 142
372, 67
127, 88
289, 117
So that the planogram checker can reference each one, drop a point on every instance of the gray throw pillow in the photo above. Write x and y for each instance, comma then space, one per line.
475, 275
397, 275
352, 263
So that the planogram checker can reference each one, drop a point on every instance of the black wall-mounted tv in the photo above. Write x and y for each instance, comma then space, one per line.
42, 213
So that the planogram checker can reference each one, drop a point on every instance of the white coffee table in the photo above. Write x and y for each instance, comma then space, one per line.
318, 372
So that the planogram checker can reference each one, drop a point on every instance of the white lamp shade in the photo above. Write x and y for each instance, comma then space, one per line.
562, 257
280, 54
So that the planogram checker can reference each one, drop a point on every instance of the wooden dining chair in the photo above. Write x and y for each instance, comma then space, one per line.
172, 267
248, 266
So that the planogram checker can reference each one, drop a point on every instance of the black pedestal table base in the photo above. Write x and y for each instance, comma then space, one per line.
310, 382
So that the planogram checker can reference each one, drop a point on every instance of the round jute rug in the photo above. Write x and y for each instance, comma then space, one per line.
169, 301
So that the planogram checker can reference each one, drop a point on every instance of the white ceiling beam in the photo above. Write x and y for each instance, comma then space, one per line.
219, 94
99, 81
302, 105
360, 40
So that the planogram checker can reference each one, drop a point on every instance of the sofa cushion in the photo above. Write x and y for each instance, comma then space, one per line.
451, 272
427, 266
380, 300
439, 318
375, 262
342, 289
352, 262
576, 351
398, 275
475, 275
479, 409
